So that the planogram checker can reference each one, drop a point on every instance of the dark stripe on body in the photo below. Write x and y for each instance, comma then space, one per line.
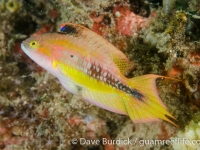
97, 72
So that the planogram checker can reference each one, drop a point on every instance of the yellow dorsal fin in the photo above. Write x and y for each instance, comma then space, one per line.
124, 65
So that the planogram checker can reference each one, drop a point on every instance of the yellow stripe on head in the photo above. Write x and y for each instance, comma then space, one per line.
54, 64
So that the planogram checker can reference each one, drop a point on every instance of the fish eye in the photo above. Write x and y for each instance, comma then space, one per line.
33, 44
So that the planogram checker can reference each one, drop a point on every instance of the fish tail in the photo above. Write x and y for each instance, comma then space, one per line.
145, 104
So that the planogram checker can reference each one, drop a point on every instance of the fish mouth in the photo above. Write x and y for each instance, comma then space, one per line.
24, 47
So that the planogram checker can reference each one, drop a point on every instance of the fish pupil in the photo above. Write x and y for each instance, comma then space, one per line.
71, 55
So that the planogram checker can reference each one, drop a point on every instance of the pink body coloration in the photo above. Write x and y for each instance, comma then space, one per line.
88, 65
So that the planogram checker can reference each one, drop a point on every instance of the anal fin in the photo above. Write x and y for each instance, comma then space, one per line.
109, 101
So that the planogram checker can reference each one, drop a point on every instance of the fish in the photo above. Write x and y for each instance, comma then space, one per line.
88, 65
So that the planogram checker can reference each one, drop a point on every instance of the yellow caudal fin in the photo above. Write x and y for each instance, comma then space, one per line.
146, 105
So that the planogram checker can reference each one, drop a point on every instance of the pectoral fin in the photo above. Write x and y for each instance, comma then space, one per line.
70, 86
64, 78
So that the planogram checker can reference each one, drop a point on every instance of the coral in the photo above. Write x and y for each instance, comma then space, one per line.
191, 81
194, 58
168, 6
45, 28
12, 6
190, 134
128, 23
77, 11
2, 45
99, 26
135, 132
194, 5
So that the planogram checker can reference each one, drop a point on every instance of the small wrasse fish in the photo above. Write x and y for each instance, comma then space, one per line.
88, 65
